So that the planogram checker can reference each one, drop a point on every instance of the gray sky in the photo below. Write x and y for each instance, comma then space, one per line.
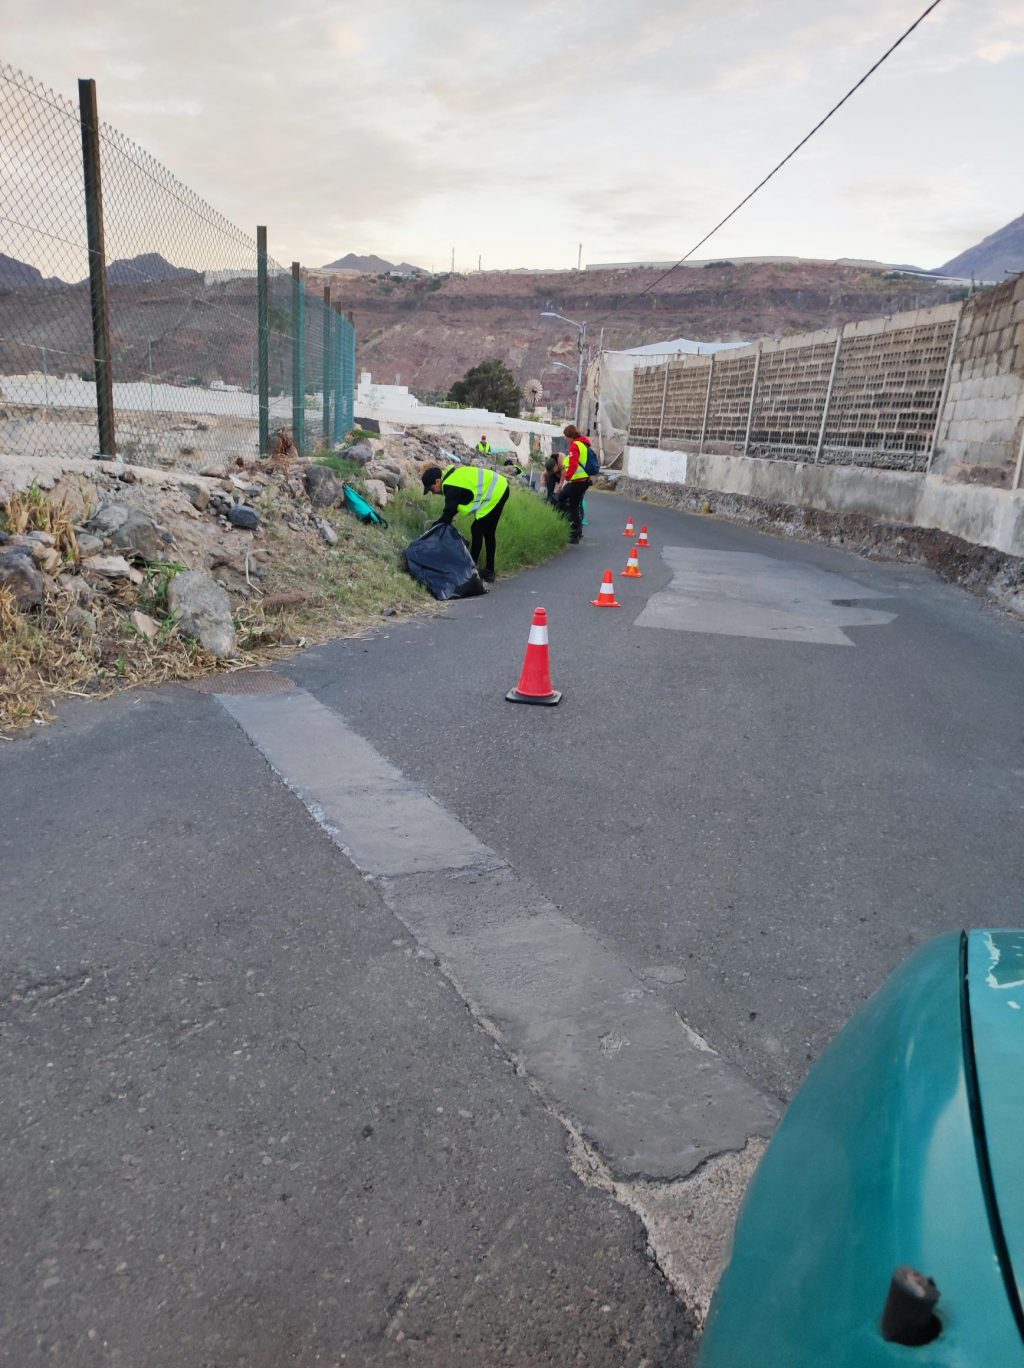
517, 130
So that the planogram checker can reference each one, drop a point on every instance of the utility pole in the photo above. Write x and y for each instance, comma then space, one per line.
479, 268
579, 258
453, 261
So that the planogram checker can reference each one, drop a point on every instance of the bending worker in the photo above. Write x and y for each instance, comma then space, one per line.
483, 447
481, 494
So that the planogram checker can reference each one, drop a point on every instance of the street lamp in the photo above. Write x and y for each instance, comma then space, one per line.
580, 343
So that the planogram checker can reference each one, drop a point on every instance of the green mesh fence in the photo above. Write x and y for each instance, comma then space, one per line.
182, 286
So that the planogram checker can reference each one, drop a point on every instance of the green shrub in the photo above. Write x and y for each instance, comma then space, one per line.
530, 531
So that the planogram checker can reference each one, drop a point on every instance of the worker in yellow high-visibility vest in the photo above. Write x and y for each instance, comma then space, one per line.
479, 493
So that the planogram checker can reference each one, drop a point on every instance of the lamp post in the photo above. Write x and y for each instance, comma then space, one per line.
580, 343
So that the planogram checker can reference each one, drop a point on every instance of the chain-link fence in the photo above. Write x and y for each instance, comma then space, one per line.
177, 307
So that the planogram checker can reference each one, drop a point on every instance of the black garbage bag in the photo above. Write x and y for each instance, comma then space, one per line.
440, 559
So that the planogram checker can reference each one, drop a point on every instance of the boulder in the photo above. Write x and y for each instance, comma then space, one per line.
198, 495
129, 529
88, 545
244, 516
145, 625
360, 451
326, 531
21, 576
77, 587
377, 492
48, 558
80, 620
386, 471
323, 487
204, 611
109, 567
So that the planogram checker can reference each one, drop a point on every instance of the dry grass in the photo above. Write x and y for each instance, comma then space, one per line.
44, 656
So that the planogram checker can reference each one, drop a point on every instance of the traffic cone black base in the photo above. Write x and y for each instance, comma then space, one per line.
514, 696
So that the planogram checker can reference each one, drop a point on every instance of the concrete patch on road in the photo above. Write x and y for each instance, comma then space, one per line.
741, 593
642, 1093
689, 1223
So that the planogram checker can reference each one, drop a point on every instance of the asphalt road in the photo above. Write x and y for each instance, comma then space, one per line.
254, 1122
761, 828
245, 1120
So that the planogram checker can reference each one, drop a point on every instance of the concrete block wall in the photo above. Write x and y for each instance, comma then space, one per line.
888, 389
881, 411
982, 422
791, 387
730, 397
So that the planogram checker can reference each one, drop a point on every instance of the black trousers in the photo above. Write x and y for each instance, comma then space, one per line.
569, 503
482, 534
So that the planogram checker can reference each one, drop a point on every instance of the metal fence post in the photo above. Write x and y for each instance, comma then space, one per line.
945, 394
753, 393
327, 369
102, 364
350, 392
664, 396
707, 404
298, 360
828, 391
342, 374
263, 339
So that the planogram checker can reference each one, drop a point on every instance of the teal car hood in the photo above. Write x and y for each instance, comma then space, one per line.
995, 995
905, 1146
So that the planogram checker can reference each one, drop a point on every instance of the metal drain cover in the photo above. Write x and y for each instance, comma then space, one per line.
243, 682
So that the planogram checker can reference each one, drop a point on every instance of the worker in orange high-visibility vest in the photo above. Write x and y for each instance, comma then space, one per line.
573, 481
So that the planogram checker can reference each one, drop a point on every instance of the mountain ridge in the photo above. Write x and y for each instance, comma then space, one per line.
371, 265
999, 254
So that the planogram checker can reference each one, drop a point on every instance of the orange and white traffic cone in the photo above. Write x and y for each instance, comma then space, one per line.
535, 681
629, 528
632, 570
642, 539
606, 594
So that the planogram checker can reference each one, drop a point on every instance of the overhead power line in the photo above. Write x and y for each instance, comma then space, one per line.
788, 157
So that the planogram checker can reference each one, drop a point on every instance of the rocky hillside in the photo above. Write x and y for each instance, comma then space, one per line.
1000, 253
430, 330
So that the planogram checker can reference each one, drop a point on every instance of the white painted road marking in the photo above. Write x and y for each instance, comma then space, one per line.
657, 1105
741, 593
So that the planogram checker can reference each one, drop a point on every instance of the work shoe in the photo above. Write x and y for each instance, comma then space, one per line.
487, 576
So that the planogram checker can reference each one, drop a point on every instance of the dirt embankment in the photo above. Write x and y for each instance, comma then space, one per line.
112, 574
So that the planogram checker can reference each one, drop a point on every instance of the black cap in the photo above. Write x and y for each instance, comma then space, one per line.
429, 477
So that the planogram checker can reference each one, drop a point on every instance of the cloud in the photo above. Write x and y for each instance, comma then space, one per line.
518, 130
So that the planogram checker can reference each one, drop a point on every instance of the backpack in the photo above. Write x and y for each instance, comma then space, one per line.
592, 464
355, 503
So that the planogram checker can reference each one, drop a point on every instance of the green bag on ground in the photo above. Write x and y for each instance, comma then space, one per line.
365, 512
